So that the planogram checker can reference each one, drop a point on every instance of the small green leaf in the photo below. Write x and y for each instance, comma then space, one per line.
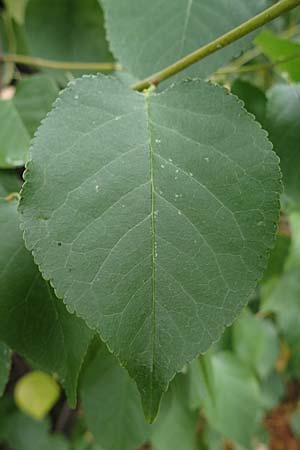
284, 301
5, 363
175, 428
236, 407
157, 232
32, 320
36, 393
146, 36
256, 343
14, 138
112, 404
283, 118
33, 99
279, 49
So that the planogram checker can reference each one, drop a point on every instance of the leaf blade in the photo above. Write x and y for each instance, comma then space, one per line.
111, 197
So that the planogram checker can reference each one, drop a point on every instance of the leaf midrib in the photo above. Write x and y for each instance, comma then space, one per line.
153, 240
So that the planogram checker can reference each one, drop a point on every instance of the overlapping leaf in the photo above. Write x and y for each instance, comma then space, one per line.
32, 320
71, 31
14, 137
112, 405
153, 216
148, 36
283, 118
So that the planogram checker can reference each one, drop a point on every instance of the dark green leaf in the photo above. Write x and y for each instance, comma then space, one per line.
157, 232
283, 118
66, 31
147, 36
254, 98
32, 320
278, 257
5, 362
33, 99
14, 138
112, 404
9, 183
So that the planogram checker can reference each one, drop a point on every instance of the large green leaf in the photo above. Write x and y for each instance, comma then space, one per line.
66, 30
32, 320
153, 216
14, 138
147, 36
5, 362
33, 99
278, 49
112, 405
283, 118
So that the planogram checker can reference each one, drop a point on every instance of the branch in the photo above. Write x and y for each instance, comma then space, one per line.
237, 33
255, 67
59, 65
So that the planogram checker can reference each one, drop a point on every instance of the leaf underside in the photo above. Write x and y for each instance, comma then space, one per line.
153, 216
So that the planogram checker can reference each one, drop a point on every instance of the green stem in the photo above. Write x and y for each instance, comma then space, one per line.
58, 65
223, 41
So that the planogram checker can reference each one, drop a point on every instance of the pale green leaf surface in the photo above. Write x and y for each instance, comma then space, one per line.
5, 363
279, 49
153, 217
16, 9
66, 31
283, 119
32, 320
33, 99
175, 428
148, 36
235, 407
284, 300
9, 183
112, 405
14, 138
256, 343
